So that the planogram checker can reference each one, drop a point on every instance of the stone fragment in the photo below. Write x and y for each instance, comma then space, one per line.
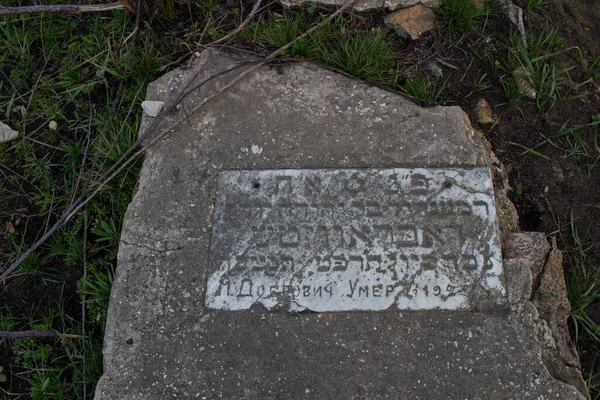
518, 279
435, 70
479, 4
517, 245
21, 110
367, 5
10, 228
551, 301
411, 22
515, 15
551, 295
540, 248
152, 108
7, 133
53, 126
507, 213
524, 82
484, 112
528, 245
398, 4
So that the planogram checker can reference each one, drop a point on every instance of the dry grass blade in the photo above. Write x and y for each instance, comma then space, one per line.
242, 25
61, 8
40, 334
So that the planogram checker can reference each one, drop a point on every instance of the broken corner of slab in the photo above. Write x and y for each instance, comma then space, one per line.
297, 190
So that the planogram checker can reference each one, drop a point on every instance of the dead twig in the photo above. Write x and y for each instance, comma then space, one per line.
84, 298
61, 8
35, 334
242, 25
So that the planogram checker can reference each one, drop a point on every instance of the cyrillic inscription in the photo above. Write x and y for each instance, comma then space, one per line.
334, 240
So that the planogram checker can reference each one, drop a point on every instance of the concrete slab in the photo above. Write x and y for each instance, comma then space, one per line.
162, 341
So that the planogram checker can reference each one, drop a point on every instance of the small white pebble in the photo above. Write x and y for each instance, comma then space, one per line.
152, 108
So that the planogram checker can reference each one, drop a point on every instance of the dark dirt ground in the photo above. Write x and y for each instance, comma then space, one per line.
548, 191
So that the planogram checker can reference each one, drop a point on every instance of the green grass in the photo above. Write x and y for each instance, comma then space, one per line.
423, 89
459, 16
534, 6
580, 142
540, 64
67, 69
593, 384
584, 286
365, 54
570, 9
592, 67
481, 83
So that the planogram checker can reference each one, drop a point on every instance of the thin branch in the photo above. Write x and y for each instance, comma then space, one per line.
83, 298
242, 25
31, 334
38, 243
61, 8
72, 361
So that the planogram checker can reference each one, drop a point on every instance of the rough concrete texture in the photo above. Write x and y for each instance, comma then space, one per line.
411, 22
528, 259
367, 5
161, 342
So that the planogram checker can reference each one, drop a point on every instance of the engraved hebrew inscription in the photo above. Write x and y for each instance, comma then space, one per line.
338, 240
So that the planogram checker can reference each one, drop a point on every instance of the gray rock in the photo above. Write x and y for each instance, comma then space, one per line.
7, 133
411, 22
517, 245
551, 301
152, 108
484, 112
435, 70
529, 245
398, 4
524, 82
519, 280
367, 5
163, 342
551, 296
527, 255
514, 14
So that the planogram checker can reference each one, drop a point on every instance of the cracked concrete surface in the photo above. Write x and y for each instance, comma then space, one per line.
162, 342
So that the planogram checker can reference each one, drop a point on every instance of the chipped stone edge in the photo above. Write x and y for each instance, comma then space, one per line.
552, 339
364, 5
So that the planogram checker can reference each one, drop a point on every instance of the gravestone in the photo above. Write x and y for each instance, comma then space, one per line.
304, 235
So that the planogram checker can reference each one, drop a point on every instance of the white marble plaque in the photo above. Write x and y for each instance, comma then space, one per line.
339, 240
